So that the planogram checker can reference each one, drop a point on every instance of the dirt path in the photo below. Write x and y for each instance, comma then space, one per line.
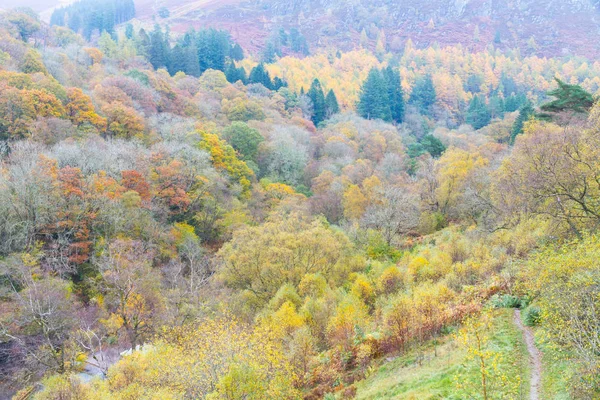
535, 359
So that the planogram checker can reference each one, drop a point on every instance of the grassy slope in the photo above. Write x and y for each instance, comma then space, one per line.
556, 372
403, 378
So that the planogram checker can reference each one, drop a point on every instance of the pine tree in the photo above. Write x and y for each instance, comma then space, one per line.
232, 73
478, 114
191, 64
395, 94
433, 145
157, 51
374, 100
423, 95
260, 75
332, 106
177, 60
236, 53
568, 98
278, 83
129, 31
318, 101
525, 113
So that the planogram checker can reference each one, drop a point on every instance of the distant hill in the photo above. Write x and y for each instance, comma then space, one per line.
543, 27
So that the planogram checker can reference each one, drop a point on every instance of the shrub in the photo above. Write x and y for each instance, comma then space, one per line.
508, 301
532, 316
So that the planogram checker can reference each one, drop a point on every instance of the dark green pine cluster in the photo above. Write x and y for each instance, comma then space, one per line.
323, 106
89, 16
382, 97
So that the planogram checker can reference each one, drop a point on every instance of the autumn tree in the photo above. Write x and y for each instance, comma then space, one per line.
552, 171
80, 109
123, 121
259, 260
44, 315
395, 213
132, 293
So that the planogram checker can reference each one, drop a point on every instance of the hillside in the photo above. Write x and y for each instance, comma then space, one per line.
184, 218
558, 28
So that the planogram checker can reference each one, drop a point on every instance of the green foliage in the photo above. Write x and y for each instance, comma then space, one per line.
244, 140
315, 93
532, 316
331, 104
478, 114
260, 75
525, 114
433, 145
374, 100
568, 98
89, 16
423, 95
395, 94
234, 74
508, 301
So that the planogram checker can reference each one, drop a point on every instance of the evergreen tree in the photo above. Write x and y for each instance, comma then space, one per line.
433, 145
395, 94
283, 37
157, 54
236, 53
525, 113
568, 98
129, 31
177, 61
423, 95
332, 106
89, 16
514, 102
496, 106
270, 53
232, 73
278, 83
191, 64
260, 75
298, 42
478, 114
143, 43
374, 100
317, 97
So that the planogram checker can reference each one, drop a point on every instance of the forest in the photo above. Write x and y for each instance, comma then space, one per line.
182, 219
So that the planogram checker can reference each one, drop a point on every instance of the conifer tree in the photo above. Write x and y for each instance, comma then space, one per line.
236, 53
525, 113
568, 98
374, 100
395, 94
478, 114
191, 64
157, 53
318, 101
332, 106
260, 75
423, 95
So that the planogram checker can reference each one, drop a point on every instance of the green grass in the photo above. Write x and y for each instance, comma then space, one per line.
556, 372
404, 378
